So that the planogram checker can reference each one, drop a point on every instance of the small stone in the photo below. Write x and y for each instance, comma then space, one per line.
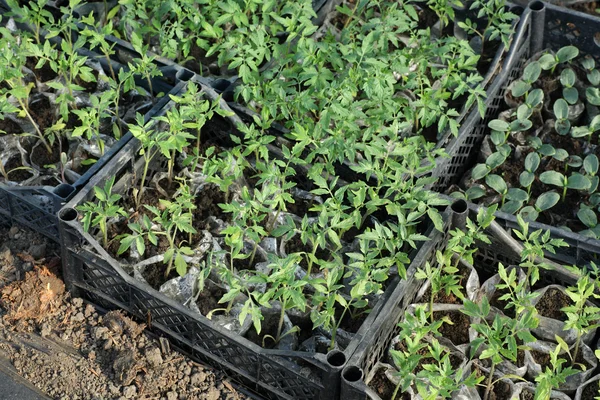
198, 378
46, 330
37, 251
89, 310
129, 392
77, 302
78, 317
172, 396
12, 233
153, 356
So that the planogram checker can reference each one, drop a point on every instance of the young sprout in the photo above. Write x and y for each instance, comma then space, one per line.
284, 287
564, 55
581, 316
96, 214
498, 337
553, 376
534, 246
575, 181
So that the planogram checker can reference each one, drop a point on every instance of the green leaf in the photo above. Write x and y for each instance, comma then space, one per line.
529, 213
511, 207
547, 61
497, 183
532, 161
436, 218
561, 154
590, 164
571, 95
532, 72
498, 125
526, 179
523, 112
588, 217
561, 109
546, 201
475, 192
567, 53
517, 194
547, 150
553, 178
495, 160
593, 95
519, 88
479, 172
578, 181
535, 97
520, 125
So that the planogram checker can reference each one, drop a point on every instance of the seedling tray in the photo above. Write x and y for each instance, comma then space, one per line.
321, 8
543, 26
36, 206
468, 118
361, 365
93, 274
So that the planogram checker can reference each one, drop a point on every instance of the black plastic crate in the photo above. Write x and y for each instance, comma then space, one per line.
36, 206
360, 367
91, 273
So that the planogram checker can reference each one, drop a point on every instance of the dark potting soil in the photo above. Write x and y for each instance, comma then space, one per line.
198, 60
500, 391
268, 328
18, 175
551, 302
208, 299
9, 126
155, 274
489, 52
49, 160
42, 113
352, 325
527, 395
502, 304
207, 203
68, 350
544, 360
384, 388
43, 74
295, 245
459, 332
591, 391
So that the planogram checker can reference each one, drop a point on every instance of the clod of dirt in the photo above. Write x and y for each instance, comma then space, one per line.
37, 297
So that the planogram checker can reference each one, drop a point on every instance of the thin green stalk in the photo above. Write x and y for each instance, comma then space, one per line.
488, 388
37, 128
280, 324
